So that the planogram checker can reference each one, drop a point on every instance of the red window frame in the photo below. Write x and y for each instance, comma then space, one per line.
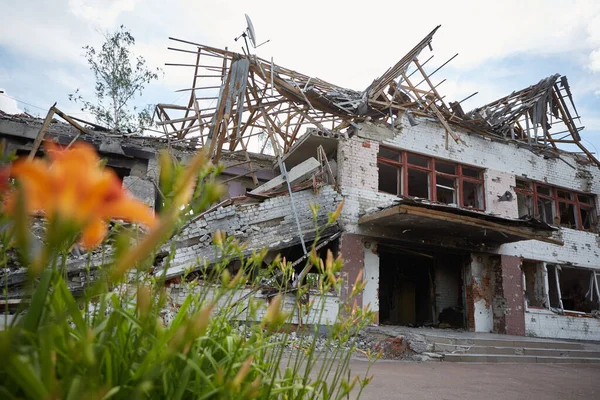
403, 165
533, 192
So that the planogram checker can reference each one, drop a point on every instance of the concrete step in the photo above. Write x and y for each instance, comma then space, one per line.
519, 343
514, 351
502, 358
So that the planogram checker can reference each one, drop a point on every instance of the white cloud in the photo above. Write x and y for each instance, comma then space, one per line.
101, 13
595, 60
346, 45
7, 104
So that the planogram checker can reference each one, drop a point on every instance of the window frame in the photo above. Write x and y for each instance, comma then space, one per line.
533, 192
556, 277
403, 166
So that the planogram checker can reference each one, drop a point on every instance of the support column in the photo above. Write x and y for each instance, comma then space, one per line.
480, 289
512, 285
371, 278
353, 254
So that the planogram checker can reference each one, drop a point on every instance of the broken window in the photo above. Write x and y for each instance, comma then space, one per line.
556, 206
446, 190
587, 212
389, 178
534, 284
389, 163
403, 173
577, 288
524, 199
446, 182
553, 293
573, 289
566, 216
473, 194
418, 183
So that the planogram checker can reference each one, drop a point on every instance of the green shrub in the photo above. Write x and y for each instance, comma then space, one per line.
112, 342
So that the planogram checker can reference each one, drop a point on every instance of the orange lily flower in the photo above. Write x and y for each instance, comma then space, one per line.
73, 184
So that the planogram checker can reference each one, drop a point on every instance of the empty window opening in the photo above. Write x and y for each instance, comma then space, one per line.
420, 161
473, 195
389, 179
525, 205
446, 190
418, 183
546, 210
567, 216
534, 284
577, 288
588, 219
413, 175
553, 293
471, 172
556, 206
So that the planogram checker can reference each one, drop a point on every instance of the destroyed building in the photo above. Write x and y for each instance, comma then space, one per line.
477, 220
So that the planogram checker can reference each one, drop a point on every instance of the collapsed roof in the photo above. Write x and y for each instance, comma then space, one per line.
243, 102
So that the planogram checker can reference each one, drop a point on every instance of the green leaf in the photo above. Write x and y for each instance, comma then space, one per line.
111, 392
34, 314
21, 370
182, 384
75, 389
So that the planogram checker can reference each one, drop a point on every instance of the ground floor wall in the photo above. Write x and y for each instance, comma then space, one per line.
323, 310
548, 324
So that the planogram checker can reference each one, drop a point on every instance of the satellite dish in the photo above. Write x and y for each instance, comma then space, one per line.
250, 30
249, 33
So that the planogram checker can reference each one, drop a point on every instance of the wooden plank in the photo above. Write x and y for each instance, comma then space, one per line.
437, 113
420, 67
40, 137
300, 172
70, 121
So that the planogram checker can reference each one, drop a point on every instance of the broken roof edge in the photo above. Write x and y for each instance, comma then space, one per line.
530, 229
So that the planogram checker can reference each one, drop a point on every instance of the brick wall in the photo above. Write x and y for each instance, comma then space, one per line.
497, 184
329, 303
503, 163
357, 163
545, 323
447, 287
269, 224
429, 138
580, 249
512, 286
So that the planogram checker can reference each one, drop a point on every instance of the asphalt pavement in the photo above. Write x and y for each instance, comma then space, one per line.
445, 380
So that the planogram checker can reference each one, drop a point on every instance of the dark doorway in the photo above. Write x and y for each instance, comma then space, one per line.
420, 288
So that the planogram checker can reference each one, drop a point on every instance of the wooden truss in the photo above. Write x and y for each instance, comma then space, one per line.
243, 102
542, 114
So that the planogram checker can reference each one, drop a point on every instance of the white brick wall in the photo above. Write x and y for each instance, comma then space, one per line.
497, 183
581, 249
503, 163
545, 323
447, 288
429, 138
329, 304
357, 160
268, 224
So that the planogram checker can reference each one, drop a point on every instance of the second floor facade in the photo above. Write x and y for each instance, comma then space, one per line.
378, 164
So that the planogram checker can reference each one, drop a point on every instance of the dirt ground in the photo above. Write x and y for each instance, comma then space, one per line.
439, 380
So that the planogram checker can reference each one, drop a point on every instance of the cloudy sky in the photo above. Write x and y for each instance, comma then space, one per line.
502, 45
